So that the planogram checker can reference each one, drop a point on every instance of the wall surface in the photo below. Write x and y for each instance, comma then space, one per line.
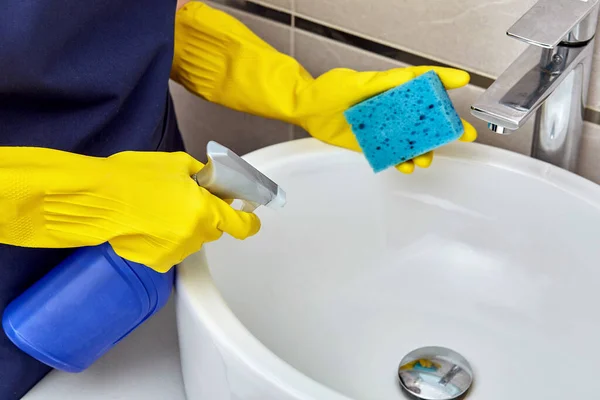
377, 35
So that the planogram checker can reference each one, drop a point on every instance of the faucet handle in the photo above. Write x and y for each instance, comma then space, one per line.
550, 22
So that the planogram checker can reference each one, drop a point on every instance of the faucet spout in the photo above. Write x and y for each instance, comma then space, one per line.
550, 84
549, 80
527, 84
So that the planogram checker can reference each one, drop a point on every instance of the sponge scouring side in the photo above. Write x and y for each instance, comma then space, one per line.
405, 122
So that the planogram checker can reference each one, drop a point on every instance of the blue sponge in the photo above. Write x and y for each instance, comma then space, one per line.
405, 122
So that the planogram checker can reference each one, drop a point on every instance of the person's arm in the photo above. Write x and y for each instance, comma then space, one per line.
220, 59
146, 205
181, 3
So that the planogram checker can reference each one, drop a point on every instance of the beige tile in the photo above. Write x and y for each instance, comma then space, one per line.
276, 34
319, 55
201, 121
589, 160
466, 33
283, 5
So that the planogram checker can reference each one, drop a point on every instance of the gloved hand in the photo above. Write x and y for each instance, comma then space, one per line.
145, 204
220, 59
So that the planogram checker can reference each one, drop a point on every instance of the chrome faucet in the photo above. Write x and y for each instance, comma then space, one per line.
550, 79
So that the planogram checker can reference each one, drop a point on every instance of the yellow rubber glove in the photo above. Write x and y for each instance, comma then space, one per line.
145, 204
221, 60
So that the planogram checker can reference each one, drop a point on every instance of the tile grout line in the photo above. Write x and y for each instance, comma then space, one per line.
298, 23
592, 116
381, 49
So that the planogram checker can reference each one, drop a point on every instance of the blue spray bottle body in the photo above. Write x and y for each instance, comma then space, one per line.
84, 306
94, 298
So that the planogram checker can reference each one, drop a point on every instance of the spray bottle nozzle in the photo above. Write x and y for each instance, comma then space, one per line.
229, 177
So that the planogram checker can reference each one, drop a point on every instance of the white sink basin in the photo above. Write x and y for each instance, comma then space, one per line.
489, 253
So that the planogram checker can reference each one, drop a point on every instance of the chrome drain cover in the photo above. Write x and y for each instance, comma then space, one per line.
435, 373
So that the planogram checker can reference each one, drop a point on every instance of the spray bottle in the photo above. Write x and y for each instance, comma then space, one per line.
94, 298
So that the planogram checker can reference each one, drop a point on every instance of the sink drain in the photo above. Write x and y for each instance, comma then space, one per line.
435, 373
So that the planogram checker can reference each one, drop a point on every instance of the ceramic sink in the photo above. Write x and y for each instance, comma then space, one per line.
490, 253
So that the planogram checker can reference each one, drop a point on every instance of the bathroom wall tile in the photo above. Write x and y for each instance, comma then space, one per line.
284, 5
276, 34
465, 33
320, 54
276, 10
201, 121
470, 34
589, 161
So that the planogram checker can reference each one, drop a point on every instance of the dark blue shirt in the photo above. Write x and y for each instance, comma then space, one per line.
90, 77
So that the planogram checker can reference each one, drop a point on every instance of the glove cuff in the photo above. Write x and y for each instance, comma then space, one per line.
218, 58
196, 64
207, 43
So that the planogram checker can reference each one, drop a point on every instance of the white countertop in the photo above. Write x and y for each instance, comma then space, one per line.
145, 365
